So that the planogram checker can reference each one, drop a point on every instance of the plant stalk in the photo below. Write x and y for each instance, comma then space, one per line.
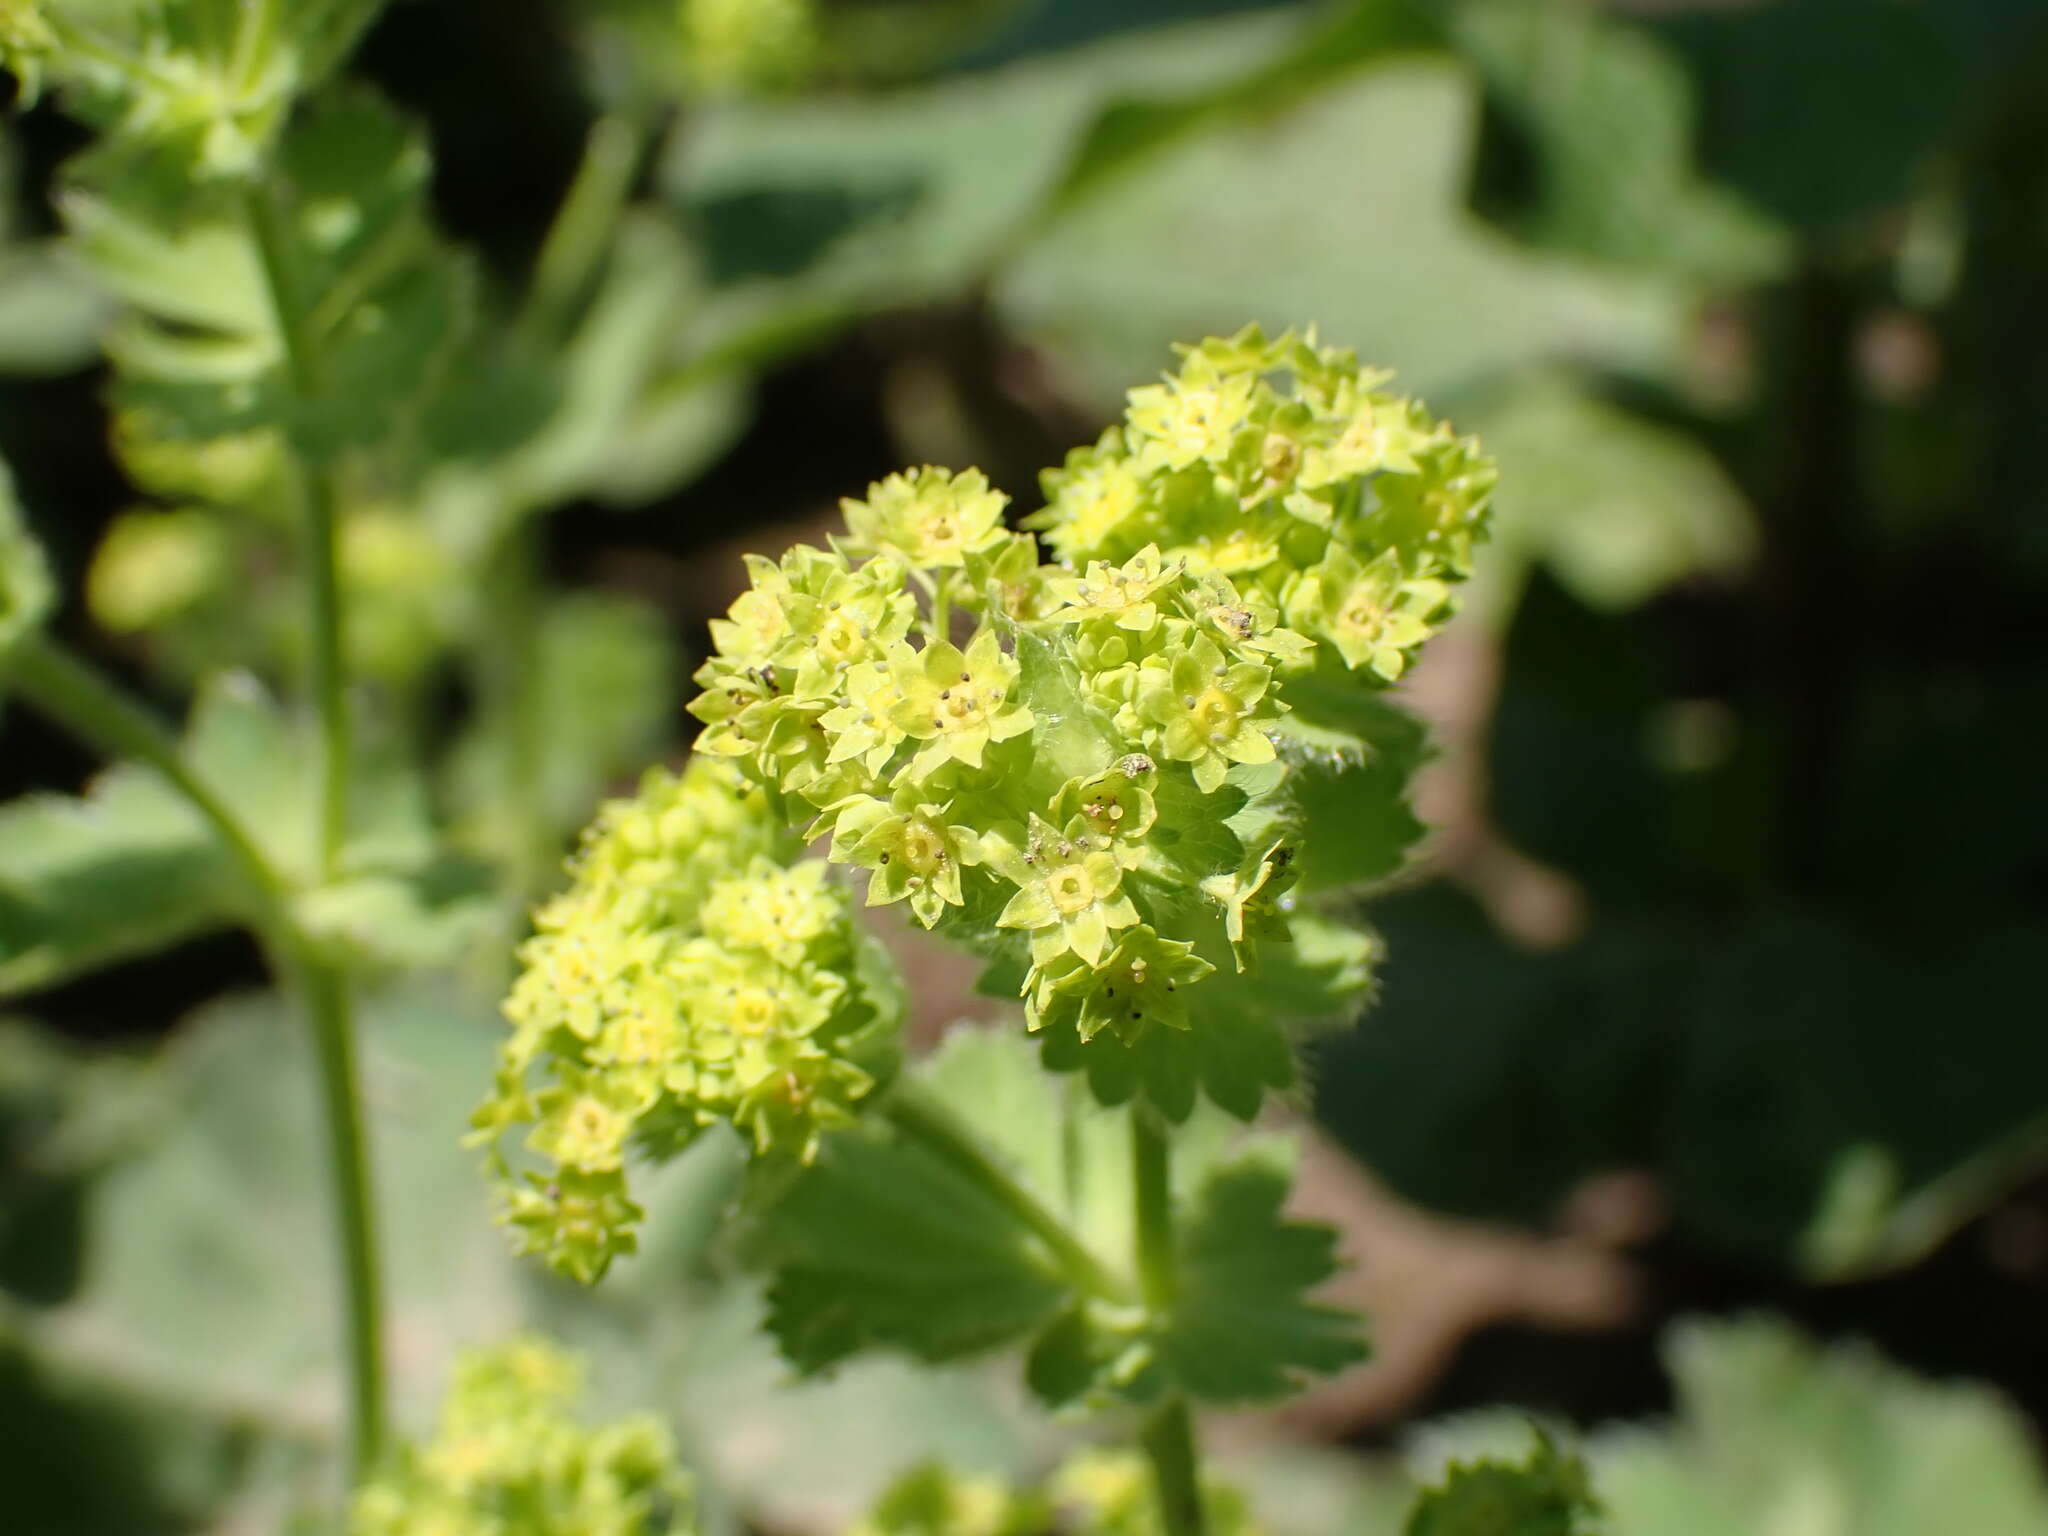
323, 987
320, 530
89, 705
939, 1131
1168, 1436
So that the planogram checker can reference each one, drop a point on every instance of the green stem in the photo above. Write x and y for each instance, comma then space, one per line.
320, 527
939, 1131
329, 1009
1169, 1434
508, 671
584, 226
325, 989
94, 709
91, 707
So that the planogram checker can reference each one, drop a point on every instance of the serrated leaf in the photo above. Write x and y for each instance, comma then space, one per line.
1548, 1494
1240, 1327
199, 354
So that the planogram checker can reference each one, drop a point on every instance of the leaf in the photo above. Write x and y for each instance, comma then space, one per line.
881, 1245
123, 871
1618, 507
1546, 1494
199, 353
605, 681
25, 589
210, 1257
130, 868
1347, 209
1353, 754
1241, 1328
1127, 131
1598, 116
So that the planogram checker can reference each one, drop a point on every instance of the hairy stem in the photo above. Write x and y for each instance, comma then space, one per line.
1169, 1434
324, 989
939, 1131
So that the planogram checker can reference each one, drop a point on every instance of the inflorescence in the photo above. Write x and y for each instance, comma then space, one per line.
1080, 768
510, 1458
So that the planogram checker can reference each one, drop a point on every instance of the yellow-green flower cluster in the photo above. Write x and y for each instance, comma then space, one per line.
690, 974
1291, 470
509, 1458
992, 739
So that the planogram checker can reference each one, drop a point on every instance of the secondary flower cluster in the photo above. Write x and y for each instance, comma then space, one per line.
510, 1459
689, 975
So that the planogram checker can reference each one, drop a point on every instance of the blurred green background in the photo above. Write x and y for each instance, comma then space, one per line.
1721, 968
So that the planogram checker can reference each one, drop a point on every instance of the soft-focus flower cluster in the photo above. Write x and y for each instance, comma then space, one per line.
689, 975
509, 1458
1078, 765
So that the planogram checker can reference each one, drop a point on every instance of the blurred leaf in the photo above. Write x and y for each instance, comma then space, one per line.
1775, 1434
1127, 131
1346, 210
199, 355
50, 318
605, 682
123, 871
901, 198
1601, 119
1619, 507
130, 868
210, 1255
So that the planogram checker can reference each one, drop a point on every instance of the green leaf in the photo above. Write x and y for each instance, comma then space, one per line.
130, 868
1241, 1327
1601, 114
1618, 507
1346, 209
1548, 1494
1127, 131
123, 871
1354, 754
25, 590
881, 1245
199, 354
605, 680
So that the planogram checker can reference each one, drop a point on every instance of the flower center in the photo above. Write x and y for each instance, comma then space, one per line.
1072, 889
960, 706
1216, 714
924, 849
